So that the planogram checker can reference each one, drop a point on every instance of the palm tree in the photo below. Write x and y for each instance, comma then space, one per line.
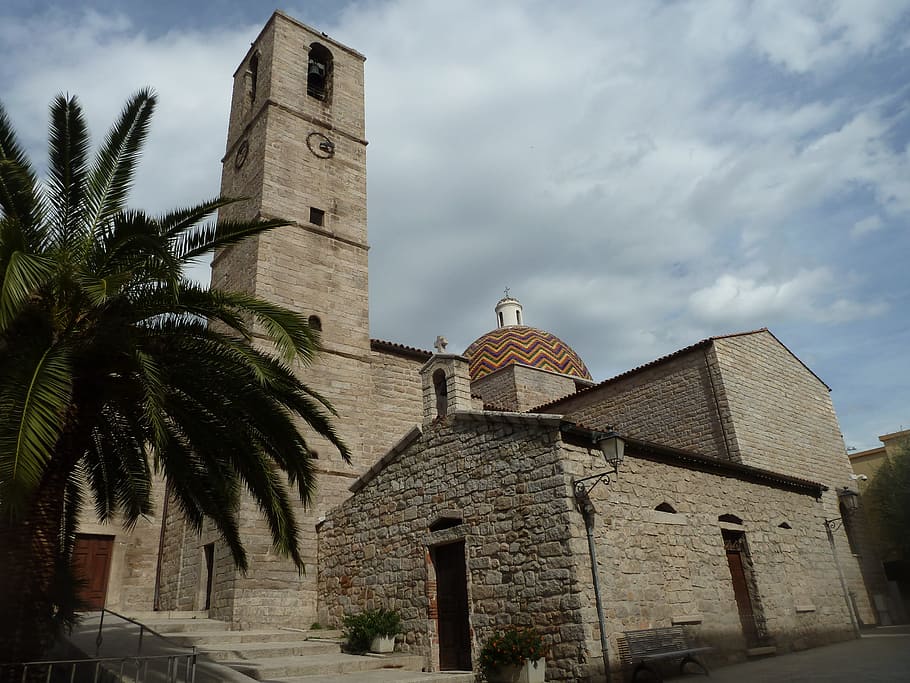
113, 365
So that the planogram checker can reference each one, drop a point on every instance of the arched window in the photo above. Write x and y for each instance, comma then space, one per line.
518, 316
254, 75
315, 323
665, 507
442, 392
730, 519
319, 72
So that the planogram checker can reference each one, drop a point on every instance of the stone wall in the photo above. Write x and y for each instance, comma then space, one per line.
520, 388
783, 420
504, 479
660, 569
397, 403
671, 403
510, 480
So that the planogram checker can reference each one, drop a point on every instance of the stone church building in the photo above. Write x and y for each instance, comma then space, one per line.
474, 480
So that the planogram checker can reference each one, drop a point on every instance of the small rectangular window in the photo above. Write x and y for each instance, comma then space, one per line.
317, 216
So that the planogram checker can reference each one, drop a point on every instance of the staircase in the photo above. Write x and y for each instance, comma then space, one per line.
288, 656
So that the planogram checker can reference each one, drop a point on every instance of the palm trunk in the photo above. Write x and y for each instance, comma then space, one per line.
30, 549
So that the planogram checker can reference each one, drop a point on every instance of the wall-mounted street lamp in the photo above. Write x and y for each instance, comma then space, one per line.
613, 449
849, 500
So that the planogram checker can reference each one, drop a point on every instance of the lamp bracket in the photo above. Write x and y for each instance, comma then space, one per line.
834, 524
582, 488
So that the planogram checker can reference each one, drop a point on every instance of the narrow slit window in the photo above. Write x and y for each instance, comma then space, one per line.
254, 76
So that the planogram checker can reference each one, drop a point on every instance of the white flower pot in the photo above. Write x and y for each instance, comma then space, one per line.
532, 671
383, 644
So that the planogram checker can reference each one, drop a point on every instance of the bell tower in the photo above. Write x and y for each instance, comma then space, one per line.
296, 151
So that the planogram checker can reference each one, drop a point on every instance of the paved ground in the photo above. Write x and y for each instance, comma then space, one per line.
877, 657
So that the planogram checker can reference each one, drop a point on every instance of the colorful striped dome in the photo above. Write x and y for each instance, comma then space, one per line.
523, 345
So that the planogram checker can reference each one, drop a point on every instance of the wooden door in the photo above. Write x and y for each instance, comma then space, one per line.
733, 547
452, 604
92, 566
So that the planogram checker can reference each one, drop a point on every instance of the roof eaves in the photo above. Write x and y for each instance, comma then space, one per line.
400, 349
651, 450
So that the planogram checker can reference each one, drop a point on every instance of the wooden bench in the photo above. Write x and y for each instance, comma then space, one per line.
643, 649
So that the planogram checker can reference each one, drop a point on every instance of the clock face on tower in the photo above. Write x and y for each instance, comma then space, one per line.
320, 145
242, 151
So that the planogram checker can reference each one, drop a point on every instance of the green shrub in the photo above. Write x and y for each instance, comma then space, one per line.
511, 646
360, 629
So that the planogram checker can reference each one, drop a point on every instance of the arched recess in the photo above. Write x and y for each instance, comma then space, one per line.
440, 386
319, 72
730, 519
315, 323
665, 507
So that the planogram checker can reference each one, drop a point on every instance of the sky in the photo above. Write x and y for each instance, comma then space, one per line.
641, 175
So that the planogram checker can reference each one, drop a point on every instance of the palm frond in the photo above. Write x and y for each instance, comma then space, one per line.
32, 404
111, 175
288, 330
23, 275
18, 199
67, 171
203, 239
181, 220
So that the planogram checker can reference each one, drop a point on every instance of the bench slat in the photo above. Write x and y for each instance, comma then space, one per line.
653, 644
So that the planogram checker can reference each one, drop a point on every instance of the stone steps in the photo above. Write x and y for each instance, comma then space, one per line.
288, 655
168, 626
272, 668
203, 638
383, 676
222, 652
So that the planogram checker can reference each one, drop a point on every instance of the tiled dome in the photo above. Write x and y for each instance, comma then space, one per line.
523, 345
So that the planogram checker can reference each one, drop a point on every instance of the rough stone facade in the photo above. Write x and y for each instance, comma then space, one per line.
520, 388
509, 480
745, 398
673, 402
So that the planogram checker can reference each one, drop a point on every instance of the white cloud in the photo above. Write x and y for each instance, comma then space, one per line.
736, 299
866, 225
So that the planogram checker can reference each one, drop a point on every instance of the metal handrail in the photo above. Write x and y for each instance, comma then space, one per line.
106, 665
142, 629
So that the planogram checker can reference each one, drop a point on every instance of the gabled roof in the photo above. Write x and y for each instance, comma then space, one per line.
394, 348
664, 359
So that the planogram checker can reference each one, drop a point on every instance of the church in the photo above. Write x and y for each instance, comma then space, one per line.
502, 484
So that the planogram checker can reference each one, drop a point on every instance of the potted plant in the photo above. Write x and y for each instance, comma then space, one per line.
373, 630
515, 655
